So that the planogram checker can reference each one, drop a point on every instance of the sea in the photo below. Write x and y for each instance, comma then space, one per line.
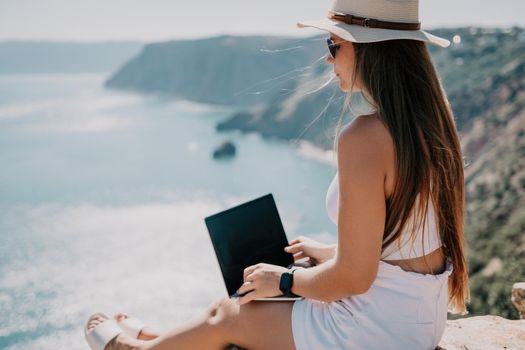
103, 196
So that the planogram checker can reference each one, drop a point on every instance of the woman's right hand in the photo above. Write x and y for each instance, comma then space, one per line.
304, 247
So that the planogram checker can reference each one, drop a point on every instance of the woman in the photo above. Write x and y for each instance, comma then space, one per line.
397, 199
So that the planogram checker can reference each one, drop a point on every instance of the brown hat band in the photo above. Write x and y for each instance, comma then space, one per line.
373, 23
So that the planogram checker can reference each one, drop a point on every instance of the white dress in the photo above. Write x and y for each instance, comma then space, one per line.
401, 310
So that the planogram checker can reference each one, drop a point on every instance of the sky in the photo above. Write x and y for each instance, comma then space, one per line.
157, 20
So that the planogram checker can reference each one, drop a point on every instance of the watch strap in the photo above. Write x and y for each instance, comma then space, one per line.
286, 283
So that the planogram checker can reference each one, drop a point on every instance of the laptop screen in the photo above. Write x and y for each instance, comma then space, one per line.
245, 235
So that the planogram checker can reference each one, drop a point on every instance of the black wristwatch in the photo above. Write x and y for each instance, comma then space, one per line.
286, 282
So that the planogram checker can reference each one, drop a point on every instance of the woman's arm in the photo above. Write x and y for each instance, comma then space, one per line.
363, 149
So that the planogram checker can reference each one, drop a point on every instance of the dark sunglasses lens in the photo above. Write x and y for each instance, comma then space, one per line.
331, 47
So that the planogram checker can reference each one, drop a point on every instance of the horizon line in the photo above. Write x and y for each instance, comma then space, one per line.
202, 37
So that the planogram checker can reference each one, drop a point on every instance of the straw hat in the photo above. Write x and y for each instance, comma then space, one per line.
364, 21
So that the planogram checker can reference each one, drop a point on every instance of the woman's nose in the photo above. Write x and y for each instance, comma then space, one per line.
329, 59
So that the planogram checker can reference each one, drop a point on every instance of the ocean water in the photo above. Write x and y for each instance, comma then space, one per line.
102, 200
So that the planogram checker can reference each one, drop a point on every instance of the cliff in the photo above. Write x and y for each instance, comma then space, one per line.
230, 70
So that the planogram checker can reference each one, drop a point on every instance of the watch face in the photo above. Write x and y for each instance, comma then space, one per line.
286, 282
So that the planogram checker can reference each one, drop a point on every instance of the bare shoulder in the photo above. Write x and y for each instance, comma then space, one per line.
367, 135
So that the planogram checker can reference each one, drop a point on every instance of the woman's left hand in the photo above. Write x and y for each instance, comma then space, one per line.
261, 280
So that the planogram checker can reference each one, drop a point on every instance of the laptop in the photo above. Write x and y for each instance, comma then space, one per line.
248, 234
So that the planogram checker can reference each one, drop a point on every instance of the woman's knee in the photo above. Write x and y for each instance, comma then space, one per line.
223, 314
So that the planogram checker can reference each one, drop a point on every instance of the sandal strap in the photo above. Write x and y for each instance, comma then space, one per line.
132, 326
102, 334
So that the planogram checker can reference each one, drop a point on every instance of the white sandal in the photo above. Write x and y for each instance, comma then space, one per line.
103, 333
132, 326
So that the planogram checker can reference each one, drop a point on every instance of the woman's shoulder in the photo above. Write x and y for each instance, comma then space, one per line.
368, 130
366, 146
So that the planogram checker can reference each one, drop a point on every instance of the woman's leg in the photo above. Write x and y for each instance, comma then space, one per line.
256, 325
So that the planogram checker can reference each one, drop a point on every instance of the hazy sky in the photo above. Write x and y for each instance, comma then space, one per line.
171, 19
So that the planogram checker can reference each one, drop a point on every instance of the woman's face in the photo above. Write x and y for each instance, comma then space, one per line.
344, 63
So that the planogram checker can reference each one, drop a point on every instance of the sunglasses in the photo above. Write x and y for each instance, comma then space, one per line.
332, 47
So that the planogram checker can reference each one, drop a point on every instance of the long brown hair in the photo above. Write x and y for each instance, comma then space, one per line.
400, 78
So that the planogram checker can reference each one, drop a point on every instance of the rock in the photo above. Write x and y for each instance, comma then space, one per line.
225, 150
518, 298
483, 332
